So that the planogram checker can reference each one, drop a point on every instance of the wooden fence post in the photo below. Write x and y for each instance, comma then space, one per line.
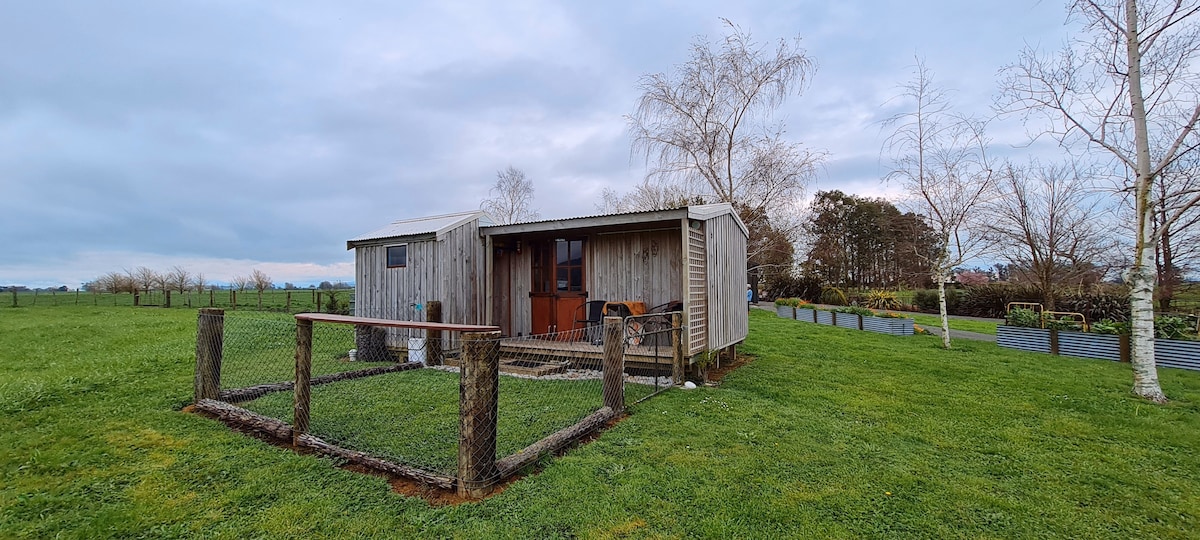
167, 298
614, 364
287, 306
478, 394
14, 294
300, 407
210, 337
433, 338
677, 357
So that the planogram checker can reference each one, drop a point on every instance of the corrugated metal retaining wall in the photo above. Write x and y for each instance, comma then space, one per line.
884, 325
1167, 352
847, 320
1026, 339
1177, 354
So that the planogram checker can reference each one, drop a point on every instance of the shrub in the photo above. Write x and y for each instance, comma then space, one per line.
1109, 326
992, 300
1023, 317
877, 299
1062, 323
1096, 303
833, 296
927, 300
1171, 327
790, 286
336, 305
855, 310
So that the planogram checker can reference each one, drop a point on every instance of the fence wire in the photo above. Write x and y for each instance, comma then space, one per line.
545, 384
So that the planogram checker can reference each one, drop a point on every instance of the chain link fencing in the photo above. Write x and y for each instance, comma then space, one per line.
480, 408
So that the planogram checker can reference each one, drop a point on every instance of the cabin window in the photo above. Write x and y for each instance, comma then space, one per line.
397, 256
568, 265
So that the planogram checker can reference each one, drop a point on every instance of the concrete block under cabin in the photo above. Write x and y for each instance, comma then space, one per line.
542, 281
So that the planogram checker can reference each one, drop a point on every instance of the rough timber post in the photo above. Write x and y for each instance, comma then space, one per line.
677, 357
614, 364
210, 336
300, 408
478, 393
433, 338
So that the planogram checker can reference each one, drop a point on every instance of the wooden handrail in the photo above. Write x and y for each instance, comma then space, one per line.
389, 323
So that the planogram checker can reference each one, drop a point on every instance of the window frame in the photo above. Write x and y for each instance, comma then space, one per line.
387, 256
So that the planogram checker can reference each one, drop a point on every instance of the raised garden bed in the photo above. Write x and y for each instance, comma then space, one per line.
883, 325
1167, 352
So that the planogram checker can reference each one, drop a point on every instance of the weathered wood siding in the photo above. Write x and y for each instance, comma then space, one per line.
449, 270
515, 306
697, 301
644, 266
725, 247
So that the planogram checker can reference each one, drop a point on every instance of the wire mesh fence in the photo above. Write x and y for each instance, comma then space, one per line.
260, 348
273, 300
483, 407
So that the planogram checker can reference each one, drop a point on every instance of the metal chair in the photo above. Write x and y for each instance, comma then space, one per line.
590, 315
654, 328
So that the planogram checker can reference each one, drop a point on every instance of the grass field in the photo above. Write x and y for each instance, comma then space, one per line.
295, 301
935, 321
828, 433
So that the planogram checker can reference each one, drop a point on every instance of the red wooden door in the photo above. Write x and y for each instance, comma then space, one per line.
557, 290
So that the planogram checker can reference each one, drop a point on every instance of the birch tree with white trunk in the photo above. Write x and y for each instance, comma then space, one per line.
940, 159
1127, 86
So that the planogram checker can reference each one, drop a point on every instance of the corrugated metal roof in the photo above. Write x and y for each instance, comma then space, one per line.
437, 225
698, 211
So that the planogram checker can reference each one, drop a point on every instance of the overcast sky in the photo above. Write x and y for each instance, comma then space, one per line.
229, 135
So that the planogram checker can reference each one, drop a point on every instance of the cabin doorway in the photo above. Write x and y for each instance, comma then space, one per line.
558, 286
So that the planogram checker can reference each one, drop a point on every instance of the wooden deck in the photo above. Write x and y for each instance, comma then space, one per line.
584, 355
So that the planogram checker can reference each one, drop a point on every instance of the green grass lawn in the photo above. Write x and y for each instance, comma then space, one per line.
935, 321
293, 301
411, 417
828, 433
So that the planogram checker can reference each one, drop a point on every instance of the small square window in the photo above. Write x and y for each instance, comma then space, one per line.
397, 256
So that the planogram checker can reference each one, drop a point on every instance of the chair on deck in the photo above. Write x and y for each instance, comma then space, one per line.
654, 328
590, 317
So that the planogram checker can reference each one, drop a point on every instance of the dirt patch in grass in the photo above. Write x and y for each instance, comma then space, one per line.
716, 374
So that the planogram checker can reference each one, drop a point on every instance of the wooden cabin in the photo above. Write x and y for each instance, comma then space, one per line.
534, 278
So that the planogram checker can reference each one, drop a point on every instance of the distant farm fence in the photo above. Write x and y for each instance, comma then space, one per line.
281, 300
457, 408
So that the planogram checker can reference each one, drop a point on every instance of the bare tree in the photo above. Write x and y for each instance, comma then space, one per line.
241, 283
1127, 87
116, 282
179, 278
145, 278
1046, 224
261, 283
198, 282
1178, 248
941, 161
512, 197
651, 194
706, 129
